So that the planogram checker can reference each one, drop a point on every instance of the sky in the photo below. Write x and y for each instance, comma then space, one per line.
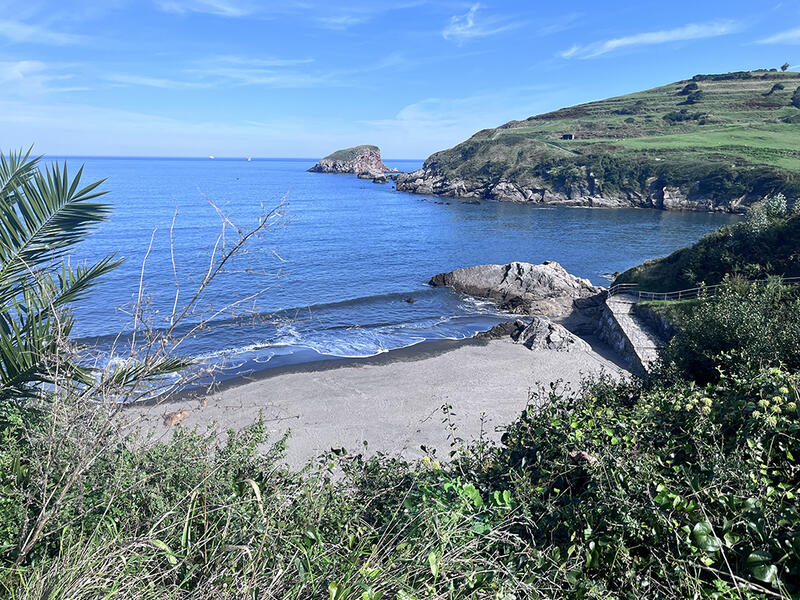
301, 78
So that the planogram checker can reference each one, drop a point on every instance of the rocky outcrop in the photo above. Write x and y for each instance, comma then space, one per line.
364, 161
540, 333
429, 180
524, 288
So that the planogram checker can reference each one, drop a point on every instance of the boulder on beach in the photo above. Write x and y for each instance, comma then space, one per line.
542, 334
357, 160
539, 333
524, 288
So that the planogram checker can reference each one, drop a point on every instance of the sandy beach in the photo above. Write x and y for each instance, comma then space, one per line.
393, 403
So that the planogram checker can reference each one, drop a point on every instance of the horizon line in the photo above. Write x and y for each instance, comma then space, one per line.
209, 158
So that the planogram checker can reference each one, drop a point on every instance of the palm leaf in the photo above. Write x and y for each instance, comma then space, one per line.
51, 215
15, 170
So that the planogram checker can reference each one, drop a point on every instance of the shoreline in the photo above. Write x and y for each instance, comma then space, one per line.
393, 401
411, 353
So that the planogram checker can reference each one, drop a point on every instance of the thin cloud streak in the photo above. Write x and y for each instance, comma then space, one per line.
791, 36
19, 32
692, 31
154, 82
220, 8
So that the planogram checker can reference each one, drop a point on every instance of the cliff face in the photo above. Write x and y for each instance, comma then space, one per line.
712, 143
354, 161
583, 193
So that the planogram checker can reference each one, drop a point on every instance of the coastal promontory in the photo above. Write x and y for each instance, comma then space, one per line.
358, 160
718, 142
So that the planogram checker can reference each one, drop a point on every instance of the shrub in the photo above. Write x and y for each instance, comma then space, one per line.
775, 88
694, 97
796, 98
744, 324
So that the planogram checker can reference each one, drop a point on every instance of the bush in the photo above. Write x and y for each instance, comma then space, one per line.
745, 324
775, 88
763, 244
796, 98
688, 89
694, 97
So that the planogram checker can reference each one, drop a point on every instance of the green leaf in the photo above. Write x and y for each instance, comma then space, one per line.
759, 564
704, 538
173, 560
336, 590
473, 494
433, 561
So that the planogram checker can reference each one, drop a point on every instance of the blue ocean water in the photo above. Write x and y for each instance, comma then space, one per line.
349, 255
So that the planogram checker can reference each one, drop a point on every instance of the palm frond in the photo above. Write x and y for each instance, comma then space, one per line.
51, 215
16, 169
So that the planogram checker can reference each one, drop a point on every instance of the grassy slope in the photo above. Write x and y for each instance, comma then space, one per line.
351, 153
734, 128
731, 250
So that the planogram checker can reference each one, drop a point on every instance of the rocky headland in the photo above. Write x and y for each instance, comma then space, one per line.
364, 161
687, 145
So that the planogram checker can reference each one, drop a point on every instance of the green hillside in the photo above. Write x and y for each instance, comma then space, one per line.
716, 138
765, 243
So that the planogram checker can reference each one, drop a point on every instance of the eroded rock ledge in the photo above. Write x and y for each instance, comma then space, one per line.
431, 181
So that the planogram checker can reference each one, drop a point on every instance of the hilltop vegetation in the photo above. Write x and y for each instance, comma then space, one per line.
766, 242
713, 142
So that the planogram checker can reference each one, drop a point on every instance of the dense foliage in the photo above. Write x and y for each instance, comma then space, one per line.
664, 490
766, 242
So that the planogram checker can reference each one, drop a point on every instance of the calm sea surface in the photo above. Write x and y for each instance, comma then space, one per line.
349, 255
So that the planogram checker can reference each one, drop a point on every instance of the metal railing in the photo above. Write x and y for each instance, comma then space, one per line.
629, 289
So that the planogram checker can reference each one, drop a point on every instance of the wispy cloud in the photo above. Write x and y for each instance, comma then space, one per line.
692, 31
341, 22
468, 26
269, 72
19, 32
222, 8
28, 78
154, 82
792, 36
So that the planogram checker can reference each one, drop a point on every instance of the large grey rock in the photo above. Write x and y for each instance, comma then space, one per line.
525, 288
543, 334
353, 161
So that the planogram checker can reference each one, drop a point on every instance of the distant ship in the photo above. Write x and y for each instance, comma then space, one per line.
249, 159
211, 156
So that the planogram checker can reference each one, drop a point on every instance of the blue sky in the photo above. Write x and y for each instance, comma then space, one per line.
304, 77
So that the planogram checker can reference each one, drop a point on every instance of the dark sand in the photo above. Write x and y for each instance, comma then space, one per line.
393, 401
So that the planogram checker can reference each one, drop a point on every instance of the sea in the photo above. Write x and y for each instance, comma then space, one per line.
342, 273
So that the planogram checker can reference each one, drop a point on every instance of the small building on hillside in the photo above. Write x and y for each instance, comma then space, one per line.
568, 136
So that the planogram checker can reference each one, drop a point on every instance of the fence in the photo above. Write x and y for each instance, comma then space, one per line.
628, 289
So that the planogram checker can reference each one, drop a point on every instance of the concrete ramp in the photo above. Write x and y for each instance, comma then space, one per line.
628, 334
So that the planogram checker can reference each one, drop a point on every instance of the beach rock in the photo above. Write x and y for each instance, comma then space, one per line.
524, 288
354, 161
542, 334
174, 418
380, 179
506, 329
